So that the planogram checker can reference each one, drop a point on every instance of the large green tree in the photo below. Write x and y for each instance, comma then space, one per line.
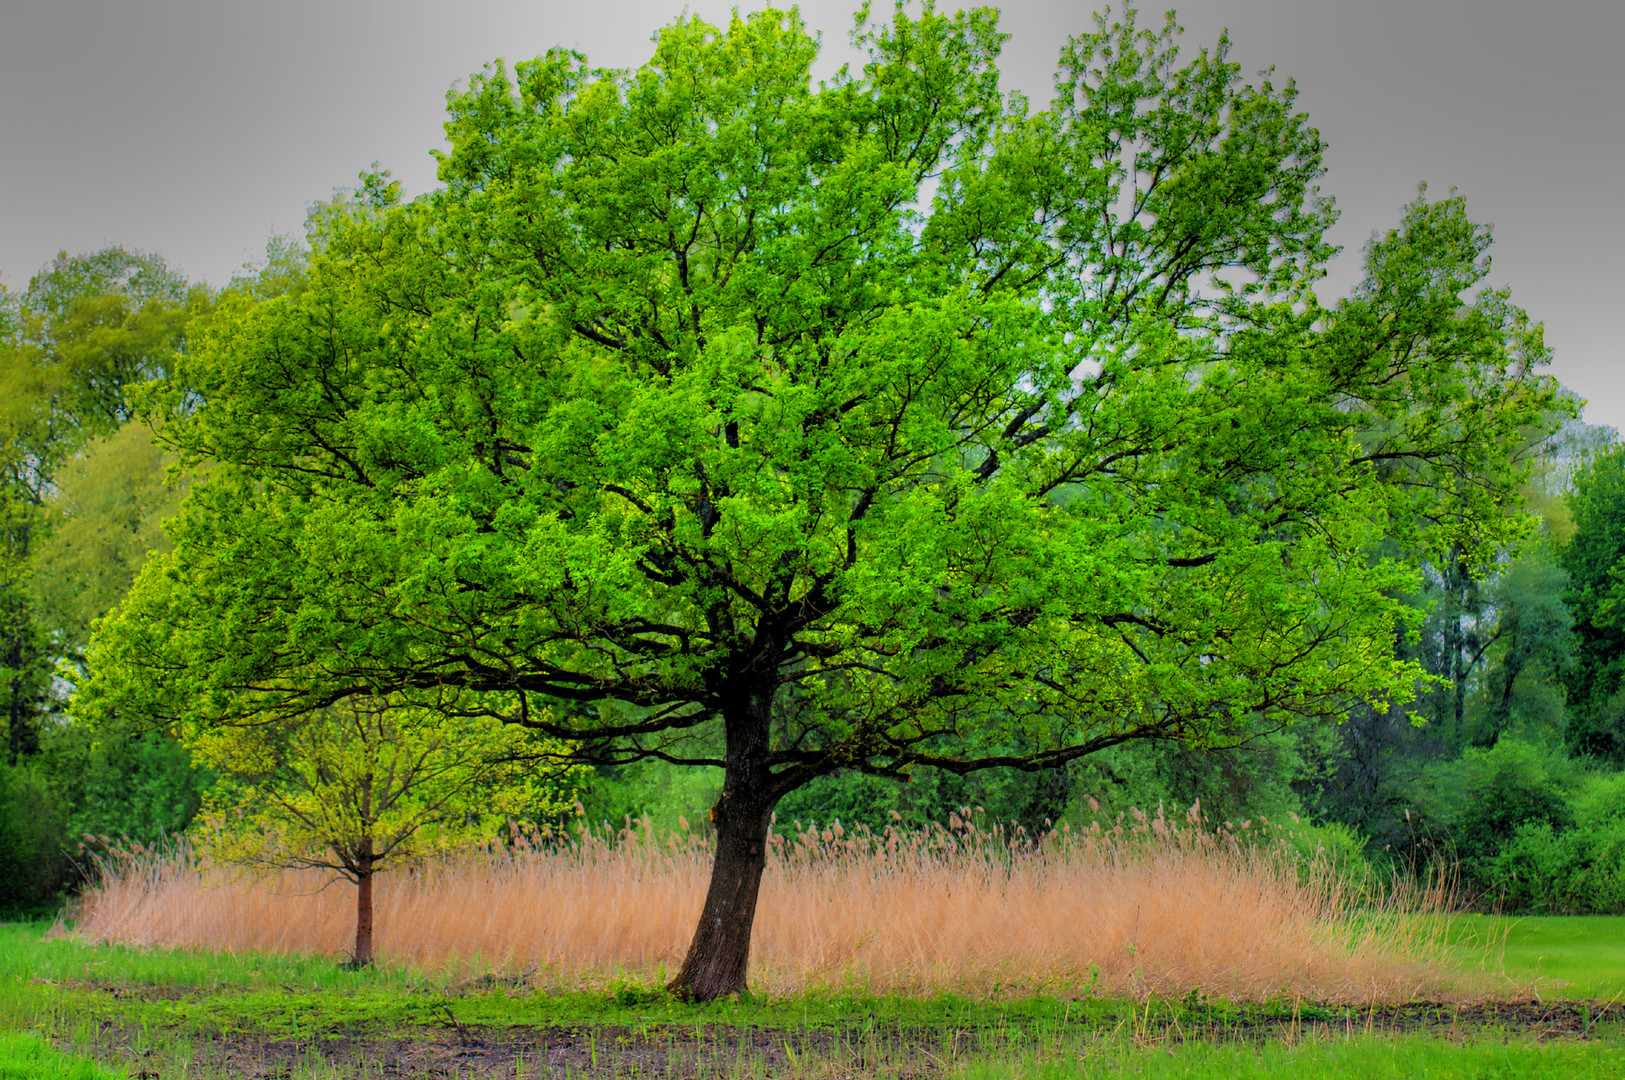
876, 424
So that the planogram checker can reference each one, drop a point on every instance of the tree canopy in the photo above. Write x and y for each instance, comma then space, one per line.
873, 424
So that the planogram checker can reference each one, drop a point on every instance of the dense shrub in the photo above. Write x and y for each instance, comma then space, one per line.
141, 787
135, 787
1506, 787
1335, 851
34, 865
1575, 870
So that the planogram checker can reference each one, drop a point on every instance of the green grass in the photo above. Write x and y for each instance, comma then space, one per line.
1556, 956
169, 1002
1584, 953
1360, 1058
282, 996
29, 1057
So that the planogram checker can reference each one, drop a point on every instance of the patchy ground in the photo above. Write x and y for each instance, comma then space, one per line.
672, 1051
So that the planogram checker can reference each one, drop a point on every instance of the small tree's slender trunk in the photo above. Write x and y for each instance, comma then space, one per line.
363, 905
719, 955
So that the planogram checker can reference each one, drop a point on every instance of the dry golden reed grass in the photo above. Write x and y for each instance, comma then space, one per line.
1152, 907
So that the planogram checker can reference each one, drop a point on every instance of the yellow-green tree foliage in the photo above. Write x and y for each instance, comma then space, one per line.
105, 516
365, 784
308, 793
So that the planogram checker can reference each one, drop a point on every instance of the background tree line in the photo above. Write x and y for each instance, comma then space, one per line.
82, 496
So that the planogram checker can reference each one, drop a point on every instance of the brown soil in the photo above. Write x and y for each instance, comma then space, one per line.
533, 1053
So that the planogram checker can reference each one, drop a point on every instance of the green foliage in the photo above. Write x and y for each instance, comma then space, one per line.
136, 277
363, 785
87, 327
1243, 782
34, 866
1532, 830
672, 364
139, 787
672, 797
1595, 560
284, 271
1336, 849
1502, 789
102, 521
1530, 651
1579, 869
1502, 647
1032, 800
1254, 780
77, 516
100, 323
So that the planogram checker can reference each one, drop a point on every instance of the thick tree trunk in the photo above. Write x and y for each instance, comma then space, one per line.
719, 955
363, 908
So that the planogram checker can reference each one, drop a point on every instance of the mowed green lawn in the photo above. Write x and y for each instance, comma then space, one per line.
1555, 956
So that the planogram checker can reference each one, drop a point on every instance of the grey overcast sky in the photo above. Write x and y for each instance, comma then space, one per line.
196, 128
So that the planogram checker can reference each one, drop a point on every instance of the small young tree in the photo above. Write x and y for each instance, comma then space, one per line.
360, 785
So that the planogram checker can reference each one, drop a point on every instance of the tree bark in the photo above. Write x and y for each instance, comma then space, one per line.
719, 954
24, 739
363, 907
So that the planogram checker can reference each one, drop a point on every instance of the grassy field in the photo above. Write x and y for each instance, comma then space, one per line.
1580, 956
1359, 1058
29, 1057
89, 1012
1549, 957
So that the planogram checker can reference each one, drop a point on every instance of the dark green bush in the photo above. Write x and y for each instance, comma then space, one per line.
142, 787
1575, 870
34, 863
1503, 789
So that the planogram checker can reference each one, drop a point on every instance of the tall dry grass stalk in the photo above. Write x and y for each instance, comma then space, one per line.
1153, 907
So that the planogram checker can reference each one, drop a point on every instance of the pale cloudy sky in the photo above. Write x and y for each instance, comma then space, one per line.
196, 128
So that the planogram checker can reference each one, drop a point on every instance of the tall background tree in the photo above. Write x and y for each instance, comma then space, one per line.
87, 327
879, 425
81, 493
1595, 561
